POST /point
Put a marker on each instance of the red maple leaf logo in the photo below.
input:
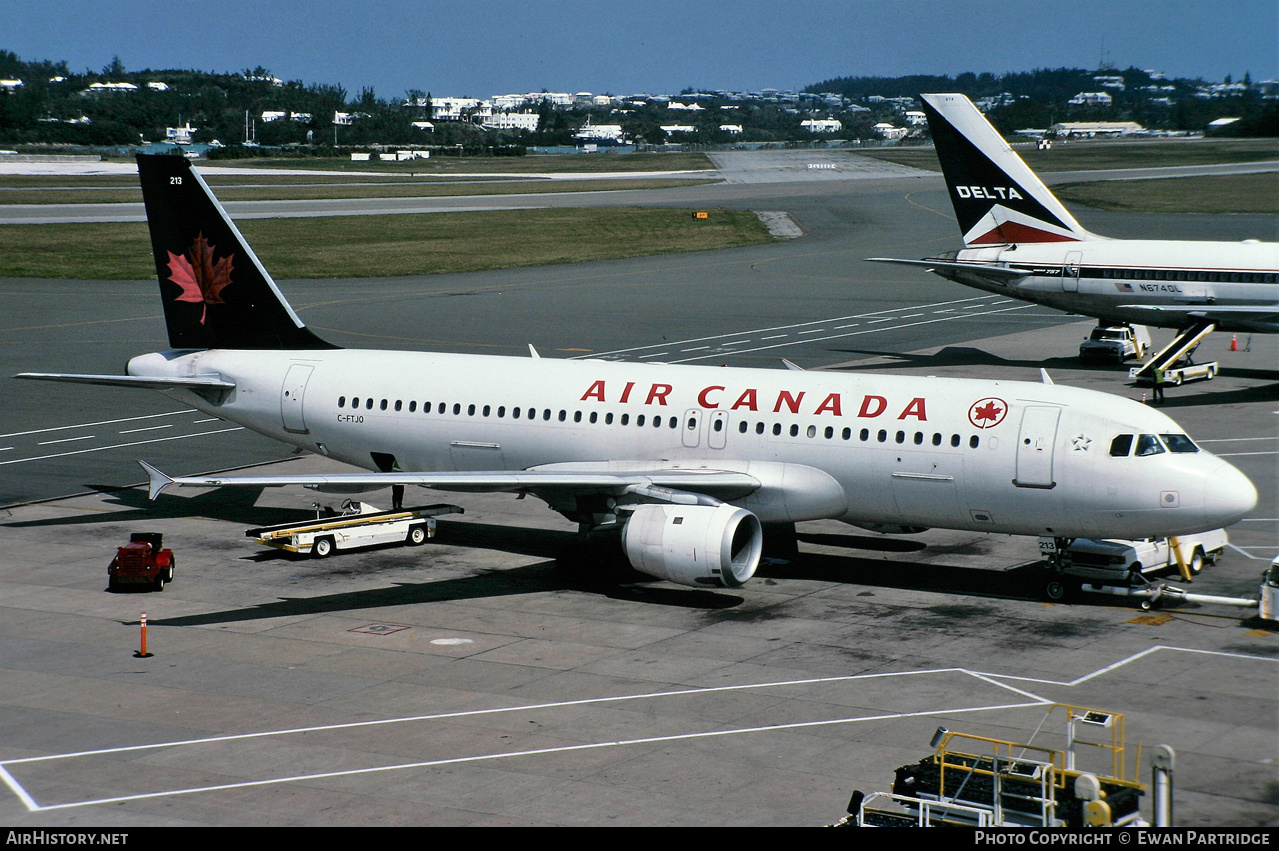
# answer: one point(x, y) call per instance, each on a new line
point(200, 278)
point(987, 413)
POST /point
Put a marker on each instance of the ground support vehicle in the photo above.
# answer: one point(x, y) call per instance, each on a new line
point(142, 562)
point(973, 781)
point(1180, 374)
point(359, 524)
point(1115, 343)
point(1118, 563)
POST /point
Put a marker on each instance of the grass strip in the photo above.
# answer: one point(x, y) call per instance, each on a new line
point(1234, 193)
point(368, 246)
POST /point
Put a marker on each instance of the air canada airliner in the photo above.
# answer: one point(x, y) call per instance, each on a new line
point(690, 463)
point(1020, 241)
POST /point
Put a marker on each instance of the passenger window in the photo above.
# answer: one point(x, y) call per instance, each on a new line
point(594, 417)
point(973, 441)
point(954, 440)
point(368, 404)
point(577, 416)
point(759, 428)
point(485, 411)
point(639, 421)
point(398, 404)
point(777, 429)
point(1179, 443)
point(412, 407)
point(608, 419)
point(882, 436)
point(1121, 445)
point(470, 410)
point(1148, 444)
point(741, 427)
point(626, 419)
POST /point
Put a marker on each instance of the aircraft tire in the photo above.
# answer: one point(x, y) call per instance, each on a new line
point(1057, 589)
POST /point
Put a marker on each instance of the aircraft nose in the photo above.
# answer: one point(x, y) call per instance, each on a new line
point(1228, 495)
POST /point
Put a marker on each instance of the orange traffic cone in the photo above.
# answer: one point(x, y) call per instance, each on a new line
point(1234, 342)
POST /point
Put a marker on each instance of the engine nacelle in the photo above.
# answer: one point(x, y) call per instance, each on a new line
point(698, 545)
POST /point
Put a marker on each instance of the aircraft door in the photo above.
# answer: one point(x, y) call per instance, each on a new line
point(1035, 447)
point(717, 434)
point(1070, 271)
point(691, 428)
point(291, 396)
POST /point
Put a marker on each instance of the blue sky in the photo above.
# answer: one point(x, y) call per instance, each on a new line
point(479, 49)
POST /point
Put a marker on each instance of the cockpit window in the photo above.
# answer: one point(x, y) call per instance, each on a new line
point(1179, 443)
point(1121, 445)
point(1148, 444)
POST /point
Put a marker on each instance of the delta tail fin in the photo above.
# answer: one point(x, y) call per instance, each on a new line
point(998, 199)
point(216, 293)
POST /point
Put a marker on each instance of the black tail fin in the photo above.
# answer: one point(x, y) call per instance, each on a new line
point(216, 293)
point(997, 198)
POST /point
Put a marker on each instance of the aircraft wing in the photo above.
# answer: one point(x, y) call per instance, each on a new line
point(674, 485)
point(1001, 272)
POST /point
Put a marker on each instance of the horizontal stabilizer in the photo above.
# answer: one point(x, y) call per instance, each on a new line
point(191, 382)
point(984, 269)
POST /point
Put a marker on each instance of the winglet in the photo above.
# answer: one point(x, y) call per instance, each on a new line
point(1045, 377)
point(159, 480)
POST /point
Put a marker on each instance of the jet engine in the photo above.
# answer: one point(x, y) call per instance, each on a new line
point(699, 545)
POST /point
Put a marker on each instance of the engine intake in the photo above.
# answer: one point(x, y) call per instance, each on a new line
point(698, 545)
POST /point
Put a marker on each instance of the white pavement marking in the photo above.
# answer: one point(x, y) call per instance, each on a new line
point(119, 446)
point(996, 680)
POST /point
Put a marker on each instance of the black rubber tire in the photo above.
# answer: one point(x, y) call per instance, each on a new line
point(322, 548)
point(1057, 590)
point(416, 536)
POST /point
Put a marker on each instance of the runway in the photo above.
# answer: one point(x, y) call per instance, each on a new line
point(473, 684)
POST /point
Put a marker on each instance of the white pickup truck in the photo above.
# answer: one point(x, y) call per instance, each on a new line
point(358, 525)
point(1119, 562)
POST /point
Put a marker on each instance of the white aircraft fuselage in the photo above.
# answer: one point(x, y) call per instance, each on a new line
point(1139, 281)
point(873, 450)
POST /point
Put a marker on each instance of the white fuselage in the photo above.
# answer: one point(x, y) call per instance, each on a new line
point(1146, 282)
point(997, 456)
